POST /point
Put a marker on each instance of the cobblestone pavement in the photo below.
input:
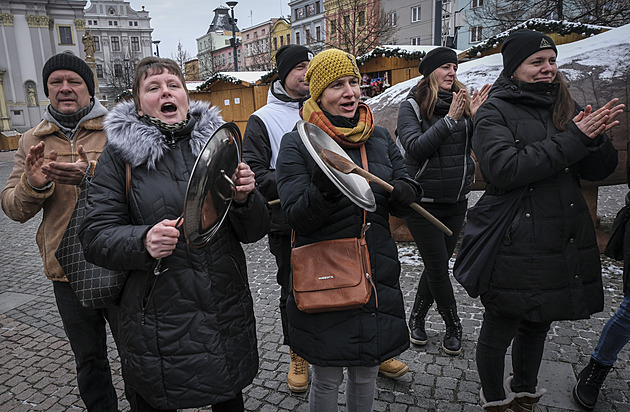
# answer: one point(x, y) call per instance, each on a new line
point(37, 369)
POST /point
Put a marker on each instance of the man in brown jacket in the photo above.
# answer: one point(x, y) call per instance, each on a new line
point(51, 161)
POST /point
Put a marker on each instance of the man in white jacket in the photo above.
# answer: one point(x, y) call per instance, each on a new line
point(261, 143)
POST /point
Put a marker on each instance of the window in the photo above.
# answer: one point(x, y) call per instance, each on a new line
point(333, 27)
point(135, 44)
point(415, 41)
point(415, 14)
point(263, 31)
point(255, 34)
point(97, 43)
point(318, 33)
point(346, 22)
point(275, 43)
point(95, 22)
point(476, 3)
point(99, 71)
point(297, 38)
point(317, 7)
point(89, 22)
point(131, 23)
point(475, 34)
point(288, 39)
point(307, 34)
point(392, 18)
point(117, 70)
point(65, 34)
point(281, 41)
point(111, 23)
point(116, 23)
point(115, 43)
point(247, 36)
point(135, 23)
point(361, 18)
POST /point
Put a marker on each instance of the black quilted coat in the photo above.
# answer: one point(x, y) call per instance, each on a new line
point(437, 157)
point(359, 337)
point(548, 267)
point(188, 336)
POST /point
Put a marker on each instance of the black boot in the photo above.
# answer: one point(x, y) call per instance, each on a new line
point(589, 382)
point(453, 337)
point(421, 307)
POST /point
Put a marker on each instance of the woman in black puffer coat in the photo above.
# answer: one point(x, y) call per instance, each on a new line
point(359, 339)
point(188, 335)
point(435, 129)
point(531, 136)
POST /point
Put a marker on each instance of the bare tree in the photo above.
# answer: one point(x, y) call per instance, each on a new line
point(260, 57)
point(116, 79)
point(500, 15)
point(357, 26)
point(181, 56)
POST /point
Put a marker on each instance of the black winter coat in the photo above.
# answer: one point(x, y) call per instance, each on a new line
point(548, 266)
point(359, 337)
point(191, 339)
point(436, 156)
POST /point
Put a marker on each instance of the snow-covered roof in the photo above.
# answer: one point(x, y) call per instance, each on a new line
point(547, 26)
point(192, 86)
point(233, 77)
point(403, 51)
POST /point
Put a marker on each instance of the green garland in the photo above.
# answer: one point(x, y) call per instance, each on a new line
point(226, 78)
point(387, 52)
point(562, 28)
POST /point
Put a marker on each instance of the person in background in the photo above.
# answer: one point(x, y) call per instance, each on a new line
point(261, 143)
point(531, 136)
point(187, 326)
point(52, 159)
point(614, 336)
point(358, 339)
point(435, 126)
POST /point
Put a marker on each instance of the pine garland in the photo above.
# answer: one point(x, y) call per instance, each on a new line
point(390, 52)
point(563, 28)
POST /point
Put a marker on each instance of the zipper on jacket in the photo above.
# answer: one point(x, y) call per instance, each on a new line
point(461, 188)
point(150, 287)
point(421, 170)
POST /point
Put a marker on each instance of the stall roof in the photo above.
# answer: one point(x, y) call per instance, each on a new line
point(404, 51)
point(233, 77)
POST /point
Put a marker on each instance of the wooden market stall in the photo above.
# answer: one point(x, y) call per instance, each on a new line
point(237, 94)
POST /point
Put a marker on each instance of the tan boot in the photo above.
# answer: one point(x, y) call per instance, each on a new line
point(393, 368)
point(297, 378)
point(504, 405)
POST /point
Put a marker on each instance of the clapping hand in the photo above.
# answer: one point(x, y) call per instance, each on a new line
point(457, 105)
point(479, 96)
point(593, 123)
point(66, 173)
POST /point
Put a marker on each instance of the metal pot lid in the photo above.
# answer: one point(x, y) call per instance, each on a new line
point(355, 187)
point(210, 187)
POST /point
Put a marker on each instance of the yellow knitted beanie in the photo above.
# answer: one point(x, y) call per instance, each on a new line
point(328, 66)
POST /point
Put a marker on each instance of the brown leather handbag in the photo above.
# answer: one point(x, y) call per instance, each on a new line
point(332, 275)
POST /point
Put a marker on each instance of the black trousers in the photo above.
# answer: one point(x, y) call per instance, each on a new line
point(280, 247)
point(528, 344)
point(436, 248)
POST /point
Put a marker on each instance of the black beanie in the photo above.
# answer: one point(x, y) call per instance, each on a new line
point(67, 61)
point(435, 58)
point(520, 45)
point(289, 56)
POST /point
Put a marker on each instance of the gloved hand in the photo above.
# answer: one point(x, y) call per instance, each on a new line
point(404, 193)
point(327, 188)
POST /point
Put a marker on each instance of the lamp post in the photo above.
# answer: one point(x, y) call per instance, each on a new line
point(127, 72)
point(157, 47)
point(231, 4)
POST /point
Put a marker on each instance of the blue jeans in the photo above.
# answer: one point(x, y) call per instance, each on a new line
point(615, 335)
point(85, 329)
point(359, 388)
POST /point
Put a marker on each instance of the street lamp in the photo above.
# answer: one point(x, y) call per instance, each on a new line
point(127, 72)
point(231, 5)
point(157, 47)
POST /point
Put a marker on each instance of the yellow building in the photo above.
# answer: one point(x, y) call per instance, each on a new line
point(280, 36)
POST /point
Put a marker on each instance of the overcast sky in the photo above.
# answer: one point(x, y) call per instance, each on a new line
point(185, 20)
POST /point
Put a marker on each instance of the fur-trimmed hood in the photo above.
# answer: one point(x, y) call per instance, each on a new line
point(140, 143)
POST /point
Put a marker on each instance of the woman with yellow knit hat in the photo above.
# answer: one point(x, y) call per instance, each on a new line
point(357, 339)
